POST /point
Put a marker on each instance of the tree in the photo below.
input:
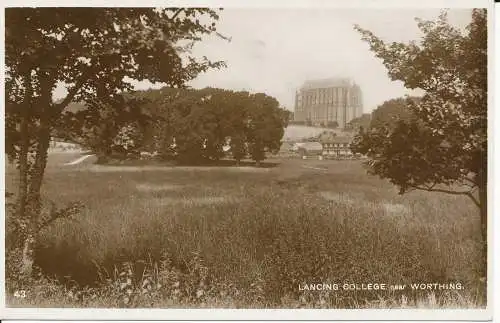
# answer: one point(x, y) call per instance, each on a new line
point(199, 121)
point(360, 122)
point(94, 52)
point(265, 126)
point(325, 136)
point(391, 111)
point(238, 148)
point(117, 127)
point(222, 108)
point(445, 148)
point(237, 116)
point(192, 126)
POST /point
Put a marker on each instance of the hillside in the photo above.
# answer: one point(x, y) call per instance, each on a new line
point(296, 132)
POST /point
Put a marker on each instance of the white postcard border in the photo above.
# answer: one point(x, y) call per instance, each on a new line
point(281, 314)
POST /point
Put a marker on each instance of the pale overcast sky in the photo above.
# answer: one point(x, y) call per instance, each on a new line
point(276, 50)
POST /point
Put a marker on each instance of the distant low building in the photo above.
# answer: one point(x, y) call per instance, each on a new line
point(337, 146)
point(310, 149)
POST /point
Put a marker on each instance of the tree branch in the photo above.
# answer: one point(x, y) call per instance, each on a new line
point(470, 181)
point(177, 13)
point(476, 202)
point(466, 193)
point(71, 94)
point(64, 213)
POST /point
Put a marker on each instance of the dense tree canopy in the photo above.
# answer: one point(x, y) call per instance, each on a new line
point(391, 112)
point(188, 125)
point(360, 122)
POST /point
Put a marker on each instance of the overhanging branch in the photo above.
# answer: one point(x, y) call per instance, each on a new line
point(177, 13)
point(471, 181)
point(73, 91)
point(432, 189)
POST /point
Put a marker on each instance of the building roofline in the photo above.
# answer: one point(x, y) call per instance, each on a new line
point(342, 82)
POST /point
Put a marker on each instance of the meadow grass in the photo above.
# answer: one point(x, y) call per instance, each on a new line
point(219, 237)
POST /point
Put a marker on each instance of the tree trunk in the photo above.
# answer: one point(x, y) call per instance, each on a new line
point(22, 199)
point(25, 145)
point(23, 168)
point(483, 211)
point(33, 198)
point(34, 202)
point(28, 256)
point(23, 213)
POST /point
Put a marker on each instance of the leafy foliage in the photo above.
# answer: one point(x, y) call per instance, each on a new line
point(360, 122)
point(95, 53)
point(446, 141)
point(392, 111)
point(191, 126)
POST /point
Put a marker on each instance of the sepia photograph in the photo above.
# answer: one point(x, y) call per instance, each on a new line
point(247, 157)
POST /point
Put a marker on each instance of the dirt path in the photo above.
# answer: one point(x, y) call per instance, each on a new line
point(79, 160)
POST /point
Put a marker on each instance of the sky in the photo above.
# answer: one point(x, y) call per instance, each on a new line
point(274, 50)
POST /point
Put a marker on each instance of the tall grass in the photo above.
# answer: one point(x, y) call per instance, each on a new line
point(230, 239)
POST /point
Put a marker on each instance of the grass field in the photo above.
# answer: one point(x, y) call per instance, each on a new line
point(249, 237)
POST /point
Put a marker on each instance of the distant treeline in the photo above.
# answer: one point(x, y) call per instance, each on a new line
point(186, 125)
